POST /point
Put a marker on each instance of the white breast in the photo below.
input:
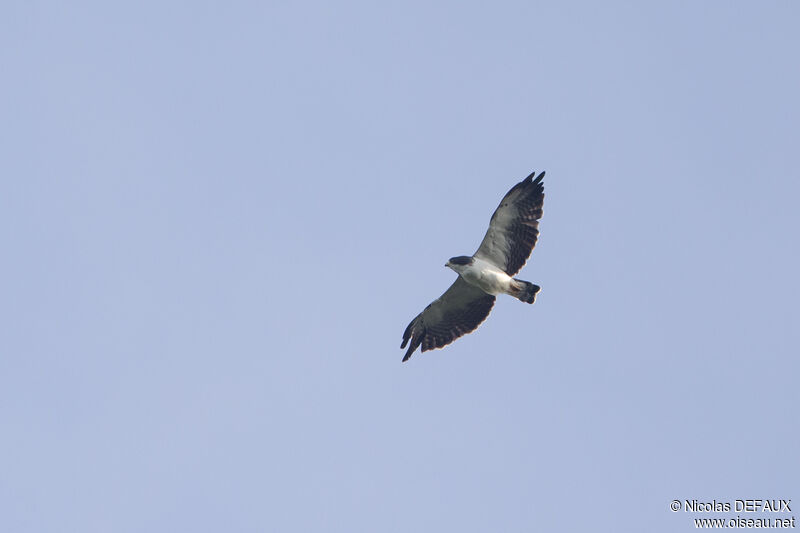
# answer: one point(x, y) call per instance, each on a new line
point(486, 277)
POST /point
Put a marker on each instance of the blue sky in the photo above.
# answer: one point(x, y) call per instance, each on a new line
point(218, 220)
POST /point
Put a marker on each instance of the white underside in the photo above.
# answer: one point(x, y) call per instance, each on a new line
point(486, 277)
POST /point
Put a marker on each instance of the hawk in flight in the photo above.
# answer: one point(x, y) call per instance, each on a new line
point(505, 248)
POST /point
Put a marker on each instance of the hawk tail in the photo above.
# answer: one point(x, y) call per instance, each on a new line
point(524, 291)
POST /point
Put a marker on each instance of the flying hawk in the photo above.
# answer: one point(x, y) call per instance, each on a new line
point(505, 248)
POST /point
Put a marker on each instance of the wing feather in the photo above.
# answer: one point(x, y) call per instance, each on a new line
point(460, 310)
point(514, 227)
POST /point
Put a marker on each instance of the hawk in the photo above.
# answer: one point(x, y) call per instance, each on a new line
point(507, 245)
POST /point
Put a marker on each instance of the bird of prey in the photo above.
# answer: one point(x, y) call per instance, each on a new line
point(505, 248)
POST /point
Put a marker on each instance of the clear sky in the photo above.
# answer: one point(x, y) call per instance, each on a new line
point(217, 219)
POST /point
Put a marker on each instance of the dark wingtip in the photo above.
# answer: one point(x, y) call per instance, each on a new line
point(407, 333)
point(530, 177)
point(415, 342)
point(409, 352)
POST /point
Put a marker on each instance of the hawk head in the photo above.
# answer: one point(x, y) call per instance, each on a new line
point(459, 262)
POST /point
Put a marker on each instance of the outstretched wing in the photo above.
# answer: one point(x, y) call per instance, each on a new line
point(460, 310)
point(514, 227)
